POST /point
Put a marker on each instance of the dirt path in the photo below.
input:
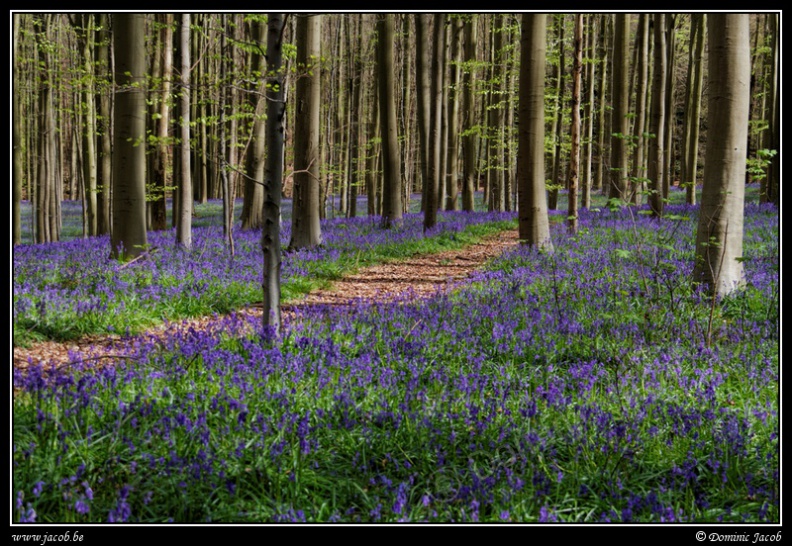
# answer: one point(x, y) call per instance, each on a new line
point(423, 275)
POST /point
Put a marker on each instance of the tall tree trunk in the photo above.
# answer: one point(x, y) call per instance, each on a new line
point(534, 225)
point(105, 172)
point(306, 230)
point(668, 126)
point(657, 125)
point(642, 75)
point(558, 123)
point(604, 117)
point(719, 238)
point(772, 140)
point(273, 175)
point(435, 124)
point(184, 225)
point(591, 71)
point(574, 154)
point(16, 143)
point(129, 238)
point(253, 198)
point(159, 213)
point(423, 100)
point(469, 140)
point(621, 101)
point(392, 206)
point(695, 80)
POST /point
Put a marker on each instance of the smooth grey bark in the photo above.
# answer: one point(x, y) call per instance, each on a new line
point(16, 143)
point(469, 140)
point(184, 224)
point(432, 188)
point(105, 172)
point(392, 207)
point(129, 238)
point(534, 225)
point(695, 80)
point(719, 237)
point(306, 230)
point(621, 101)
point(604, 118)
point(558, 122)
point(159, 213)
point(589, 112)
point(642, 76)
point(423, 99)
point(574, 154)
point(657, 122)
point(273, 175)
point(253, 192)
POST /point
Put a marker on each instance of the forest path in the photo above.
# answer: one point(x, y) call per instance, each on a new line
point(421, 275)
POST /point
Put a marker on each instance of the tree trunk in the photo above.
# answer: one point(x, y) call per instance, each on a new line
point(16, 143)
point(159, 214)
point(604, 118)
point(184, 225)
point(273, 176)
point(642, 75)
point(469, 140)
point(534, 225)
point(392, 207)
point(423, 100)
point(591, 71)
point(719, 238)
point(129, 238)
point(435, 125)
point(253, 198)
point(657, 125)
point(104, 178)
point(621, 102)
point(574, 154)
point(693, 107)
point(558, 123)
point(306, 230)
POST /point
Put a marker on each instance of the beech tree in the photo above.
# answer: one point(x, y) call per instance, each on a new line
point(273, 173)
point(534, 224)
point(129, 238)
point(719, 237)
point(392, 209)
point(184, 222)
point(620, 94)
point(306, 230)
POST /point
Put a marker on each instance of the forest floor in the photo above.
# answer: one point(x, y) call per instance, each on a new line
point(419, 276)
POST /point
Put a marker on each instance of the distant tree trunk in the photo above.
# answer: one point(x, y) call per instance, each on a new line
point(642, 75)
point(105, 173)
point(574, 154)
point(228, 213)
point(719, 238)
point(621, 102)
point(657, 125)
point(423, 100)
point(558, 122)
point(469, 140)
point(159, 219)
point(534, 225)
point(693, 107)
point(306, 230)
point(16, 143)
point(604, 123)
point(668, 126)
point(356, 85)
point(392, 207)
point(588, 177)
point(184, 225)
point(273, 175)
point(452, 188)
point(772, 140)
point(46, 208)
point(435, 125)
point(129, 238)
point(253, 197)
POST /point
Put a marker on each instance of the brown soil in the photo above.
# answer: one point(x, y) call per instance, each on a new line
point(422, 276)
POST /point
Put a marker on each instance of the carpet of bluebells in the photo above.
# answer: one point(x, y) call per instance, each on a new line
point(592, 384)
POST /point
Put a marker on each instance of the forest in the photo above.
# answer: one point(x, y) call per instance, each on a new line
point(463, 268)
